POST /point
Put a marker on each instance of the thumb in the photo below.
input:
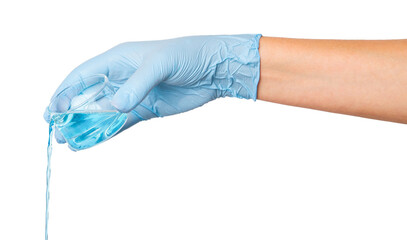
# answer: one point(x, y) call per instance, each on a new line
point(137, 87)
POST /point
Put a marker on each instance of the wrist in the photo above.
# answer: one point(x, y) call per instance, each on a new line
point(239, 68)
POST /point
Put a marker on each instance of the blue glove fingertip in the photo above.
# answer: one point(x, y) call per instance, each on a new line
point(58, 136)
point(121, 102)
point(46, 115)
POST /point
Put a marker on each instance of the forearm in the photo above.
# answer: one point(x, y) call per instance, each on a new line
point(356, 77)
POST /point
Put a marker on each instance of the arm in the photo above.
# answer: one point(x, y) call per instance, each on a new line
point(357, 77)
point(162, 78)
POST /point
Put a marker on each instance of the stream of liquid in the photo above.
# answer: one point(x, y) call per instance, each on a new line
point(49, 153)
point(81, 130)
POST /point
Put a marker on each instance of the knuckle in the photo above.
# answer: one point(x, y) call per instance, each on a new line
point(122, 46)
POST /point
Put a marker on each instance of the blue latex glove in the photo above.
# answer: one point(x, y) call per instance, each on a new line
point(161, 78)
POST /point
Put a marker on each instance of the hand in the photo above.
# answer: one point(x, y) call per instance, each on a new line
point(161, 78)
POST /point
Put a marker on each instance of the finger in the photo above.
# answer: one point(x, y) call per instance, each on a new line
point(149, 75)
point(96, 65)
point(59, 137)
point(46, 115)
point(75, 83)
point(61, 102)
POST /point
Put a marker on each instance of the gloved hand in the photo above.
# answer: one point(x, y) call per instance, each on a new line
point(161, 78)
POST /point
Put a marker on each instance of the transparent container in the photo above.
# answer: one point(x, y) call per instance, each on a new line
point(87, 118)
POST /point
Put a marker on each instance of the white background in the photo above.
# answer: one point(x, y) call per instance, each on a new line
point(232, 169)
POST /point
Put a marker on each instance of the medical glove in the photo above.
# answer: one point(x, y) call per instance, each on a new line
point(161, 78)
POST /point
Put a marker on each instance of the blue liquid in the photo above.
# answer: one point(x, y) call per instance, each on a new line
point(81, 130)
point(85, 129)
point(49, 153)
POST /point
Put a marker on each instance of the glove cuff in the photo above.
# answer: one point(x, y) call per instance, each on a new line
point(238, 72)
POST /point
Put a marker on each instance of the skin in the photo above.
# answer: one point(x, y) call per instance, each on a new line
point(366, 78)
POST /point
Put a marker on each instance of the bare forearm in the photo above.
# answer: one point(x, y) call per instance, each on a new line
point(356, 77)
